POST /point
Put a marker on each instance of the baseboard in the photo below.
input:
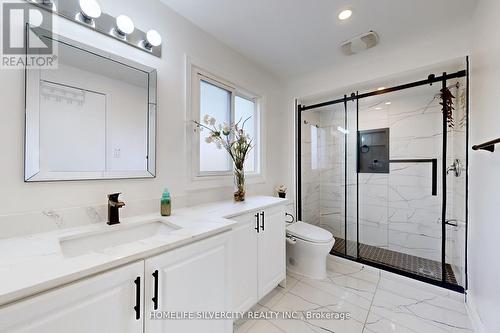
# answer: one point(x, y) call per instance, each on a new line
point(474, 316)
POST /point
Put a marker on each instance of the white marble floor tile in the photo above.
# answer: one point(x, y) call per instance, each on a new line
point(313, 300)
point(348, 293)
point(416, 311)
point(263, 326)
point(379, 324)
point(342, 267)
point(377, 302)
point(326, 302)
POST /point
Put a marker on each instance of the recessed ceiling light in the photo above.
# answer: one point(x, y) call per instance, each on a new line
point(388, 103)
point(378, 108)
point(345, 14)
point(380, 88)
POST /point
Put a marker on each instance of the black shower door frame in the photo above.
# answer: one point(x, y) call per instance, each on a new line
point(355, 97)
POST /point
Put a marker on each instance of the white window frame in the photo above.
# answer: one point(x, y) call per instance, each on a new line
point(198, 179)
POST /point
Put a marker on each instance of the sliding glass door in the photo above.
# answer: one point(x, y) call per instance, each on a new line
point(385, 173)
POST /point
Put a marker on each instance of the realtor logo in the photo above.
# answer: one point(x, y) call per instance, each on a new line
point(21, 46)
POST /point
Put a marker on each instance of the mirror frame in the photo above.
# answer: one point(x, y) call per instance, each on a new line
point(32, 160)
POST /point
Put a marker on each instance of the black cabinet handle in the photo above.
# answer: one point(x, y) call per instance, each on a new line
point(263, 221)
point(155, 297)
point(257, 223)
point(137, 306)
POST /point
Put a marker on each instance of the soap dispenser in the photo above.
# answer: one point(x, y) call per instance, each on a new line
point(166, 203)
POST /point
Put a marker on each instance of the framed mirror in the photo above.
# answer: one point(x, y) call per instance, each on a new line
point(91, 117)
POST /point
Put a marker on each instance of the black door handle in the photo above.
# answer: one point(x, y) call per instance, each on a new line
point(262, 223)
point(257, 223)
point(137, 306)
point(155, 297)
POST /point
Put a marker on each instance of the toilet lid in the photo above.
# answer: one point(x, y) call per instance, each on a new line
point(309, 232)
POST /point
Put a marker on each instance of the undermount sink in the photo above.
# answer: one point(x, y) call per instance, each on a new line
point(114, 237)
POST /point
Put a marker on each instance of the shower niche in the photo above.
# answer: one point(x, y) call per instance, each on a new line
point(373, 151)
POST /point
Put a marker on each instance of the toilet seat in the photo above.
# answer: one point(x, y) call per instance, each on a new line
point(309, 232)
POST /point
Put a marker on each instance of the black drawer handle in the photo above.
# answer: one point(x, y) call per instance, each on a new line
point(137, 306)
point(257, 223)
point(155, 297)
point(263, 222)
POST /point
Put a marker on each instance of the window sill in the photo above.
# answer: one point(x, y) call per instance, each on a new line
point(220, 181)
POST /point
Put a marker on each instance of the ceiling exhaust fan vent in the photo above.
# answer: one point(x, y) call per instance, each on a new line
point(359, 43)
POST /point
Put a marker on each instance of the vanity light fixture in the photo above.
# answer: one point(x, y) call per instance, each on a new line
point(345, 14)
point(153, 39)
point(89, 14)
point(89, 10)
point(124, 26)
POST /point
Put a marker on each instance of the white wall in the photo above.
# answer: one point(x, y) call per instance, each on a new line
point(181, 39)
point(484, 226)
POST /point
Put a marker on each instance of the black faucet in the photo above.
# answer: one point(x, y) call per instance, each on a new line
point(113, 208)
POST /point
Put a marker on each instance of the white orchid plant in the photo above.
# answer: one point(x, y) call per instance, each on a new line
point(237, 143)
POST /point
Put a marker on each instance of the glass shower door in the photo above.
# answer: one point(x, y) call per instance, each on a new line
point(400, 202)
point(328, 177)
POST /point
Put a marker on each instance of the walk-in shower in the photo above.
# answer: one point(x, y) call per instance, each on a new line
point(386, 172)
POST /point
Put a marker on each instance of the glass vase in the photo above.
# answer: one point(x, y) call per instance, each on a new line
point(239, 185)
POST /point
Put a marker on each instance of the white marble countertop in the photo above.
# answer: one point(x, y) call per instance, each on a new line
point(36, 263)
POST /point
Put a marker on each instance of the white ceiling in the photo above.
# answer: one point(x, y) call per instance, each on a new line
point(295, 37)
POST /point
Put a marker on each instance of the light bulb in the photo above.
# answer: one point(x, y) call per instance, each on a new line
point(124, 25)
point(153, 38)
point(90, 9)
point(345, 14)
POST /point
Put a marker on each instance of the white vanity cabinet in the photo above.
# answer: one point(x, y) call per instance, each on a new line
point(258, 255)
point(192, 279)
point(108, 302)
point(171, 290)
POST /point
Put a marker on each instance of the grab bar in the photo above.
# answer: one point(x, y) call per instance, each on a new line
point(489, 146)
point(434, 163)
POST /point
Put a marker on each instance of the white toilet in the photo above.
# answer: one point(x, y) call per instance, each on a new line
point(307, 248)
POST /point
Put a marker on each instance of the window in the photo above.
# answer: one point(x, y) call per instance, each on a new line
point(226, 103)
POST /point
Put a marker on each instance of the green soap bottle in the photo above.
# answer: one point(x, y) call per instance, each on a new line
point(166, 203)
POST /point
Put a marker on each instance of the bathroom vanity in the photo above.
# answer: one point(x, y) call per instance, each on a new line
point(223, 256)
